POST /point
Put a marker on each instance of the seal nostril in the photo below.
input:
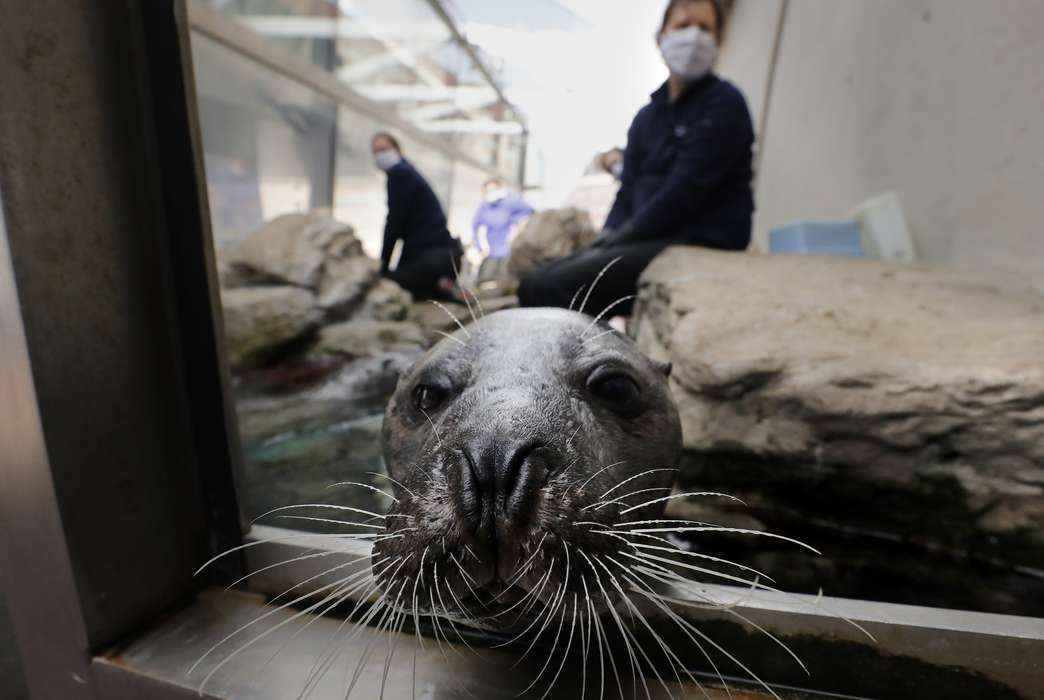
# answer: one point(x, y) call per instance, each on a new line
point(511, 475)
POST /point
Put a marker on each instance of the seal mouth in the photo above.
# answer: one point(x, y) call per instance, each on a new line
point(496, 602)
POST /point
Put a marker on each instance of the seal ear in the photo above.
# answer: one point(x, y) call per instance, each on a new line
point(664, 367)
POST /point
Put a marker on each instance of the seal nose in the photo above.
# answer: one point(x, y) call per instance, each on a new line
point(497, 486)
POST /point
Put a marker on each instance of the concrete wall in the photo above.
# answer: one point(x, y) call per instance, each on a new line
point(939, 100)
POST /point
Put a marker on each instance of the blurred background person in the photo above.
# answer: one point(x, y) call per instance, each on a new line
point(500, 212)
point(687, 172)
point(426, 256)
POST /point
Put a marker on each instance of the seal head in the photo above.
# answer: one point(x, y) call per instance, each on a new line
point(517, 445)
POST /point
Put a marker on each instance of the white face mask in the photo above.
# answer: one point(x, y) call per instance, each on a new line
point(495, 194)
point(617, 170)
point(689, 53)
point(387, 159)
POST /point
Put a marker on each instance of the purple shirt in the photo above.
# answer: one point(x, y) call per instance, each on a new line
point(498, 217)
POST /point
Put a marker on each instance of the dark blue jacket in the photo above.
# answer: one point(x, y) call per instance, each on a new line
point(688, 168)
point(414, 215)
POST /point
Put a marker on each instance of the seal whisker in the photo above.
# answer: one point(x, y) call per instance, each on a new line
point(706, 557)
point(547, 616)
point(621, 300)
point(576, 294)
point(732, 530)
point(452, 316)
point(313, 555)
point(598, 505)
point(432, 424)
point(454, 338)
point(597, 278)
point(565, 655)
point(264, 634)
point(524, 568)
point(338, 522)
point(636, 614)
point(600, 471)
point(691, 567)
point(267, 540)
point(394, 481)
point(463, 290)
point(636, 672)
point(550, 655)
point(319, 505)
point(600, 335)
point(683, 624)
point(533, 593)
point(365, 486)
point(601, 635)
point(672, 497)
point(638, 476)
point(629, 574)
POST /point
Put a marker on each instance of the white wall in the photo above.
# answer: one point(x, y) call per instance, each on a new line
point(939, 100)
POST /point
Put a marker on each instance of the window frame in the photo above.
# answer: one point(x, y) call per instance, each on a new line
point(83, 579)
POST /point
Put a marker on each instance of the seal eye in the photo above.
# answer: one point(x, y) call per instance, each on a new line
point(427, 397)
point(620, 392)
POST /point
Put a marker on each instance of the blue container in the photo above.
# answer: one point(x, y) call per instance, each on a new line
point(817, 238)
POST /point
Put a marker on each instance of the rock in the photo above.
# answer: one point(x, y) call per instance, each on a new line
point(899, 378)
point(385, 301)
point(365, 338)
point(261, 321)
point(358, 389)
point(549, 234)
point(345, 281)
point(436, 317)
point(293, 249)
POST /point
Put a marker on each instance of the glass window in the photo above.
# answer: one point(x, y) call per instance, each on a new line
point(267, 142)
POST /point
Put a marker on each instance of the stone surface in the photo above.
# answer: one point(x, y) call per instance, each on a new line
point(549, 234)
point(345, 281)
point(385, 301)
point(363, 338)
point(262, 321)
point(906, 380)
point(293, 249)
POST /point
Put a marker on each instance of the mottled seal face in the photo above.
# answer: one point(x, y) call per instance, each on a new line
point(518, 446)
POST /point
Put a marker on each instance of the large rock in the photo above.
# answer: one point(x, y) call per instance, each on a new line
point(294, 248)
point(365, 338)
point(261, 321)
point(547, 235)
point(385, 301)
point(344, 282)
point(904, 397)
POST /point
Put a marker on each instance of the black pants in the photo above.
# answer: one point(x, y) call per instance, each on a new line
point(419, 274)
point(556, 283)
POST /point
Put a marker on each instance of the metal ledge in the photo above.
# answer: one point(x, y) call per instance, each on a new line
point(982, 652)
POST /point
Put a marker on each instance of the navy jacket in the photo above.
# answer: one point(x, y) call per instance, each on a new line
point(688, 168)
point(414, 215)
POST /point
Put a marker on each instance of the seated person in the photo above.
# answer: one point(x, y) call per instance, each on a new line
point(430, 255)
point(686, 177)
point(496, 217)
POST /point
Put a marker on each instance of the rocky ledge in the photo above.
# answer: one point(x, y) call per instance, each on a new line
point(899, 401)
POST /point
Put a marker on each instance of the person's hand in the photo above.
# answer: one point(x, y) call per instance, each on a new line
point(474, 255)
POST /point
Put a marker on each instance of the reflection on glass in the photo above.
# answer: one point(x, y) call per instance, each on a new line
point(267, 142)
point(401, 54)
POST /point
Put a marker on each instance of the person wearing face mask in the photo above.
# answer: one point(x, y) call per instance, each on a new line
point(429, 255)
point(687, 172)
point(498, 214)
